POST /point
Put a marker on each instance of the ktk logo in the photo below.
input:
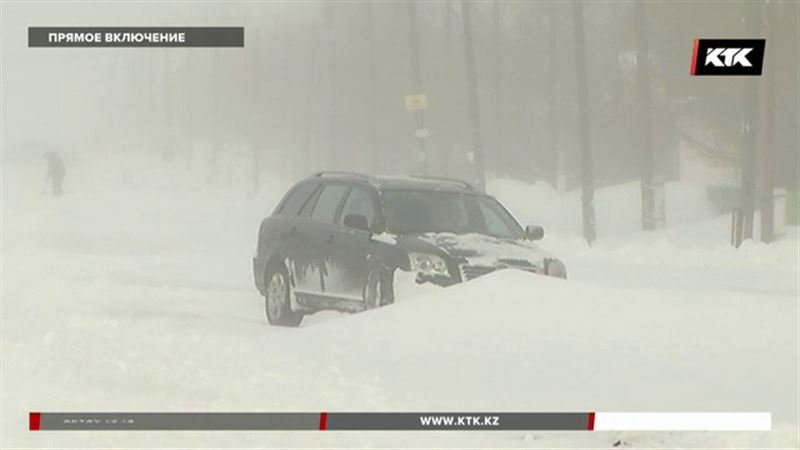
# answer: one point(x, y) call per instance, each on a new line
point(732, 57)
point(728, 56)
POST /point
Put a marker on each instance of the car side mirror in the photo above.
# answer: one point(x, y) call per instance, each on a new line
point(534, 232)
point(356, 221)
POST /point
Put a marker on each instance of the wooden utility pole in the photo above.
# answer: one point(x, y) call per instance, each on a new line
point(587, 175)
point(643, 79)
point(421, 163)
point(472, 86)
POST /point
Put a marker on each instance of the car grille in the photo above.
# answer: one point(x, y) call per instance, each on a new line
point(470, 272)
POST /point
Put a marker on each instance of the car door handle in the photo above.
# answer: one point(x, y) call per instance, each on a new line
point(330, 239)
point(293, 231)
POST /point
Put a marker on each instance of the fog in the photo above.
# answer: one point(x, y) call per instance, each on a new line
point(134, 289)
point(322, 86)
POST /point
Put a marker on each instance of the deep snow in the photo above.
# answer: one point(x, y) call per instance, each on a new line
point(134, 293)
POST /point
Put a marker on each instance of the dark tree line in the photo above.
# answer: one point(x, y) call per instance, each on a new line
point(531, 90)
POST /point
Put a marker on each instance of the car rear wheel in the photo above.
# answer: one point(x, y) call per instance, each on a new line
point(379, 288)
point(276, 299)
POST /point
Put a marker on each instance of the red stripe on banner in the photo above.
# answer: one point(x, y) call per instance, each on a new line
point(591, 421)
point(35, 421)
point(694, 55)
point(323, 421)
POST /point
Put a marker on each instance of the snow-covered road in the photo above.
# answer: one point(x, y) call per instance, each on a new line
point(133, 298)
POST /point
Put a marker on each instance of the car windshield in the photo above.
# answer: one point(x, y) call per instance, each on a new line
point(417, 211)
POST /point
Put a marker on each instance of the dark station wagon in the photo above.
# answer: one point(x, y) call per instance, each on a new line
point(337, 239)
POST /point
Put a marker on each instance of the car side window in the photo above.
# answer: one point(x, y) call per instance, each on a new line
point(297, 198)
point(359, 202)
point(328, 203)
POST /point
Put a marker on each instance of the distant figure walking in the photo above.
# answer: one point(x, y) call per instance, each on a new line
point(55, 172)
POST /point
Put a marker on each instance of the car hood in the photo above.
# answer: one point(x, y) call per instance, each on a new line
point(478, 249)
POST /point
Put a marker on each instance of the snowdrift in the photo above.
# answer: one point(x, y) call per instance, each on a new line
point(137, 296)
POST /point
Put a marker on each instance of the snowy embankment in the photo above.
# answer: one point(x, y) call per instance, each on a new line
point(138, 297)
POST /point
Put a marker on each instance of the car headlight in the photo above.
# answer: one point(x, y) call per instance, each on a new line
point(428, 264)
point(555, 268)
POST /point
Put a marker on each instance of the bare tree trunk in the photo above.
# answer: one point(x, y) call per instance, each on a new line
point(749, 151)
point(151, 102)
point(375, 155)
point(421, 163)
point(448, 25)
point(189, 86)
point(558, 160)
point(333, 148)
point(256, 136)
point(308, 153)
point(168, 114)
point(496, 153)
point(587, 175)
point(215, 125)
point(472, 85)
point(450, 94)
point(768, 138)
point(643, 78)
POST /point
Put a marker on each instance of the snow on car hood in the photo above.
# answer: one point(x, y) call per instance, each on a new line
point(484, 250)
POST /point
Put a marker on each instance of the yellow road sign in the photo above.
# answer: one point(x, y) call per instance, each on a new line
point(416, 102)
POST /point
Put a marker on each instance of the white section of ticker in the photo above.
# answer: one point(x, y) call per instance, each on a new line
point(679, 421)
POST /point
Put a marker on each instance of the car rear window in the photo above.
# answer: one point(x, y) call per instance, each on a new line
point(291, 206)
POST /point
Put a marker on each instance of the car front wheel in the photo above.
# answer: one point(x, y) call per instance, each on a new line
point(276, 299)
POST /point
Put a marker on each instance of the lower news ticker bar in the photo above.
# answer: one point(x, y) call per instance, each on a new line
point(353, 421)
point(309, 421)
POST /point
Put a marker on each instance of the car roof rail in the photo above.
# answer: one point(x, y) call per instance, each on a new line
point(334, 173)
point(461, 183)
